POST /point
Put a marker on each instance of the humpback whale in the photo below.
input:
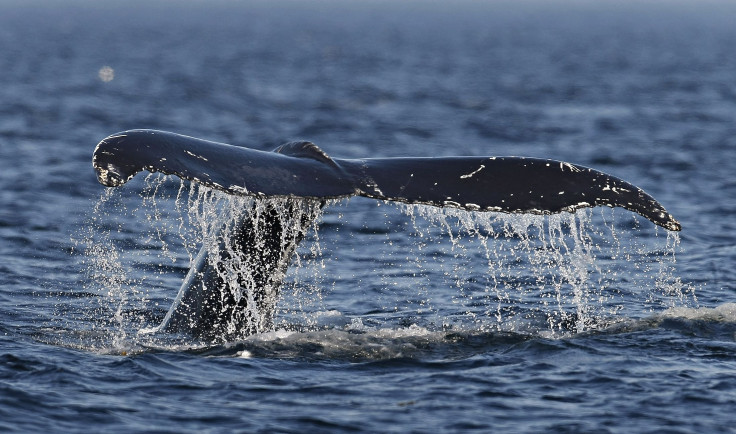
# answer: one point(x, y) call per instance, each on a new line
point(212, 307)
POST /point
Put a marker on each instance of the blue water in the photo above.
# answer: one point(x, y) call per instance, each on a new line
point(394, 319)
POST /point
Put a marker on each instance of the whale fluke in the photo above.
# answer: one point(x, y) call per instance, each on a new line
point(215, 306)
point(301, 169)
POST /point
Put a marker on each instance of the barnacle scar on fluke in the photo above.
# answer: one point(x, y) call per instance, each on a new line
point(302, 170)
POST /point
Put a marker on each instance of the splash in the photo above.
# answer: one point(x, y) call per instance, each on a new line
point(234, 283)
point(136, 267)
point(440, 269)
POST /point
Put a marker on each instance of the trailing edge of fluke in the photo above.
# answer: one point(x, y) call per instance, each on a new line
point(301, 169)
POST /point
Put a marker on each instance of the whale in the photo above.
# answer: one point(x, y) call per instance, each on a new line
point(213, 308)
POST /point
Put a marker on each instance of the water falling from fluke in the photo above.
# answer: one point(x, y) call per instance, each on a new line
point(250, 209)
point(517, 273)
point(232, 287)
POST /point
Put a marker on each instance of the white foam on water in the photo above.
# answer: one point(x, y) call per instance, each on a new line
point(724, 313)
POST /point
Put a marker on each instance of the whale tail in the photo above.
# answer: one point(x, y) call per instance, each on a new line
point(301, 169)
point(214, 307)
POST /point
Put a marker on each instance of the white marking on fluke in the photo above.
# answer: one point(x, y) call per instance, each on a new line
point(195, 155)
point(470, 175)
point(239, 189)
point(616, 190)
point(116, 136)
point(569, 166)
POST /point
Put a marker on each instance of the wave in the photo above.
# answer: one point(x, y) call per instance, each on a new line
point(344, 339)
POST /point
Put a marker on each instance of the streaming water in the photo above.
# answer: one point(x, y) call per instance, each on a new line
point(536, 274)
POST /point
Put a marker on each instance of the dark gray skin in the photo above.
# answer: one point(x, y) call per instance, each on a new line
point(211, 310)
point(302, 170)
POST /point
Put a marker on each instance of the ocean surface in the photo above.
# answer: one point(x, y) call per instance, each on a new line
point(393, 318)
